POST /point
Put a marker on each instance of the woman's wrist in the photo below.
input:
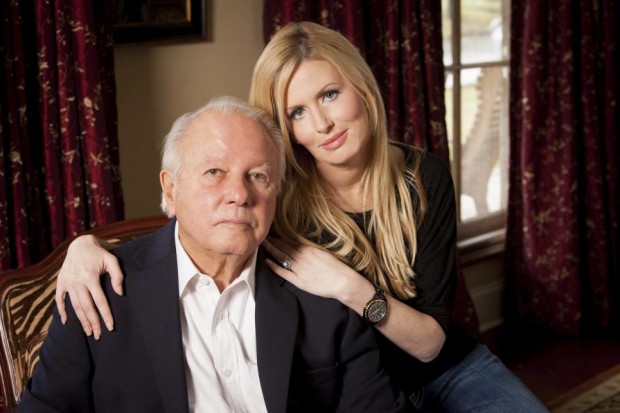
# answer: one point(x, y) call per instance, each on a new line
point(357, 293)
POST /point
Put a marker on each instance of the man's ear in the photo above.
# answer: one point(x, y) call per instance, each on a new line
point(167, 188)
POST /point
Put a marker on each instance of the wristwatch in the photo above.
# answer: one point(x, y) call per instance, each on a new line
point(376, 309)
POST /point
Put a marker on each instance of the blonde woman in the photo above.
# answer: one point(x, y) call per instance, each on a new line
point(362, 219)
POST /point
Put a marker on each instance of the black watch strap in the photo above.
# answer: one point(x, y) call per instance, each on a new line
point(376, 309)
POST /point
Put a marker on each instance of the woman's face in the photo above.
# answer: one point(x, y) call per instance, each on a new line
point(326, 115)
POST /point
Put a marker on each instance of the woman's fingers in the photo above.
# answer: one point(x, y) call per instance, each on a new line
point(279, 250)
point(79, 276)
point(288, 275)
point(82, 305)
point(60, 303)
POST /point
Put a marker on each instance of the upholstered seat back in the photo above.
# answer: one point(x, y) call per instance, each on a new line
point(26, 304)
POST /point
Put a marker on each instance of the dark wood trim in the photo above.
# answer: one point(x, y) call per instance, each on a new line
point(481, 247)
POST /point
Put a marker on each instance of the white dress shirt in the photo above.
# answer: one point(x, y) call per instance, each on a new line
point(219, 338)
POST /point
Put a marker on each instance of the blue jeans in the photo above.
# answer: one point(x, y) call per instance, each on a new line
point(479, 383)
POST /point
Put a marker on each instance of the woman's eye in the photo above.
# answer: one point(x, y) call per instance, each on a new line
point(297, 113)
point(330, 95)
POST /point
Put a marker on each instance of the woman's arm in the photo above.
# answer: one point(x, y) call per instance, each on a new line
point(419, 331)
point(87, 259)
point(320, 273)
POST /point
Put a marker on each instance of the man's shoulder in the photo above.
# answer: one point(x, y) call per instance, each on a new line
point(154, 244)
point(163, 233)
point(135, 243)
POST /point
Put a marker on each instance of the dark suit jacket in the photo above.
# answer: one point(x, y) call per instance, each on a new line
point(314, 354)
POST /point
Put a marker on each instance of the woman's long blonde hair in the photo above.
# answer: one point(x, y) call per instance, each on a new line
point(306, 211)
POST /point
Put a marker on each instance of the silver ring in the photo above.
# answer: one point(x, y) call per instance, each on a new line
point(288, 264)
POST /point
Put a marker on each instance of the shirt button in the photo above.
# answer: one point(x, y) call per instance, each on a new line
point(220, 317)
point(205, 281)
point(227, 372)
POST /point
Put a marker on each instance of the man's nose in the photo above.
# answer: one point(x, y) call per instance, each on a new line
point(322, 121)
point(239, 191)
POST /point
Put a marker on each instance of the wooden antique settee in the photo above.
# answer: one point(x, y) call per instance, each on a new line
point(27, 301)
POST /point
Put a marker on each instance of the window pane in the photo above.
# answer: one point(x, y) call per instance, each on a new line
point(446, 30)
point(448, 97)
point(484, 141)
point(482, 31)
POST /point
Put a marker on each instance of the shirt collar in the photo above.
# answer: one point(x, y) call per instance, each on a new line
point(187, 269)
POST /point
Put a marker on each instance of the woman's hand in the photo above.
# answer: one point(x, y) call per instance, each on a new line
point(320, 273)
point(85, 262)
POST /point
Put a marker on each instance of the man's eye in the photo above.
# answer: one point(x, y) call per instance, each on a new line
point(259, 177)
point(213, 172)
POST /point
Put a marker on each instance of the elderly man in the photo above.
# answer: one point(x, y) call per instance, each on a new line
point(204, 325)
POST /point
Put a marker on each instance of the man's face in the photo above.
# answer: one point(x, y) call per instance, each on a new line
point(224, 196)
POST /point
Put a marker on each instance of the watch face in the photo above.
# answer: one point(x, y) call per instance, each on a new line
point(377, 311)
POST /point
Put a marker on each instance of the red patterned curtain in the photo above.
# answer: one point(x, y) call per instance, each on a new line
point(562, 237)
point(402, 43)
point(59, 165)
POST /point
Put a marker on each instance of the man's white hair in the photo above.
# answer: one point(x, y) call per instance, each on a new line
point(171, 158)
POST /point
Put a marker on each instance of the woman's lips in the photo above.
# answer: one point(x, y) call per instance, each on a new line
point(335, 141)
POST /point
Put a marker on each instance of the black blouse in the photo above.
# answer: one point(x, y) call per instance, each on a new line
point(435, 269)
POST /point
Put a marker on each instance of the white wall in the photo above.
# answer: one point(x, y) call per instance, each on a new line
point(158, 82)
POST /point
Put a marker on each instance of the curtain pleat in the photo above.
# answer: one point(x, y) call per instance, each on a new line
point(59, 154)
point(562, 233)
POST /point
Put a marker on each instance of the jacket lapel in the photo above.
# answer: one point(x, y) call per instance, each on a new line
point(155, 299)
point(276, 329)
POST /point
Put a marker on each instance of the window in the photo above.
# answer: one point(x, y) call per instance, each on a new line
point(475, 46)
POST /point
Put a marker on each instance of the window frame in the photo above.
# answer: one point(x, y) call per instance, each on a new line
point(477, 237)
